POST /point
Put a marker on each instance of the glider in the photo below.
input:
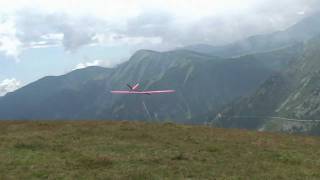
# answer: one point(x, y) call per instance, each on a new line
point(134, 90)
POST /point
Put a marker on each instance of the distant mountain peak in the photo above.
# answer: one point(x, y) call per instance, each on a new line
point(144, 52)
point(302, 31)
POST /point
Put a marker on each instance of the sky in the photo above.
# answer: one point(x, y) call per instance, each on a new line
point(52, 37)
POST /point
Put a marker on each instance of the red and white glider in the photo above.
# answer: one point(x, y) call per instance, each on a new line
point(134, 90)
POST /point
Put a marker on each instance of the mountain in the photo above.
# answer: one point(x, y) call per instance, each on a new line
point(261, 75)
point(63, 96)
point(203, 83)
point(300, 32)
point(200, 85)
point(292, 94)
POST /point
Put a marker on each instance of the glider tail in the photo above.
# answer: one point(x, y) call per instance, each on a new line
point(129, 86)
point(133, 88)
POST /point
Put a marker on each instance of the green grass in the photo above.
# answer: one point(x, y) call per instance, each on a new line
point(132, 150)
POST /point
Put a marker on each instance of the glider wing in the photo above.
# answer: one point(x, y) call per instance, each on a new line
point(143, 92)
point(159, 92)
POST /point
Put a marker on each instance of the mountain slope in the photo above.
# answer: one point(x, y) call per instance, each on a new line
point(293, 93)
point(203, 83)
point(55, 97)
point(203, 86)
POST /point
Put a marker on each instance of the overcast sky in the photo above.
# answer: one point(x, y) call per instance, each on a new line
point(52, 37)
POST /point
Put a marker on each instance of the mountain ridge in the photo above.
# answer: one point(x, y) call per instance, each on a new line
point(291, 94)
point(297, 33)
point(203, 83)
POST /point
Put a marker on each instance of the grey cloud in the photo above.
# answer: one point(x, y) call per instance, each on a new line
point(33, 26)
point(287, 7)
point(150, 24)
point(74, 38)
point(156, 24)
point(268, 16)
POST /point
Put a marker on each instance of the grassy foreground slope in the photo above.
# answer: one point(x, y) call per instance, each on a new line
point(133, 150)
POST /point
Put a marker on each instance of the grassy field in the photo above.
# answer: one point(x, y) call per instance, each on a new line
point(132, 150)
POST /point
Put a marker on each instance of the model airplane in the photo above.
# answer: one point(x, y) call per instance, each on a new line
point(134, 90)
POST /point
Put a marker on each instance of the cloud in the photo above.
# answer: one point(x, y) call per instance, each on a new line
point(98, 62)
point(114, 39)
point(75, 38)
point(47, 40)
point(220, 28)
point(56, 29)
point(156, 24)
point(9, 85)
point(10, 45)
point(40, 30)
point(87, 64)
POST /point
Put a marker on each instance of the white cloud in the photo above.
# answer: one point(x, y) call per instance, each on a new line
point(98, 62)
point(87, 64)
point(9, 42)
point(9, 85)
point(47, 40)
